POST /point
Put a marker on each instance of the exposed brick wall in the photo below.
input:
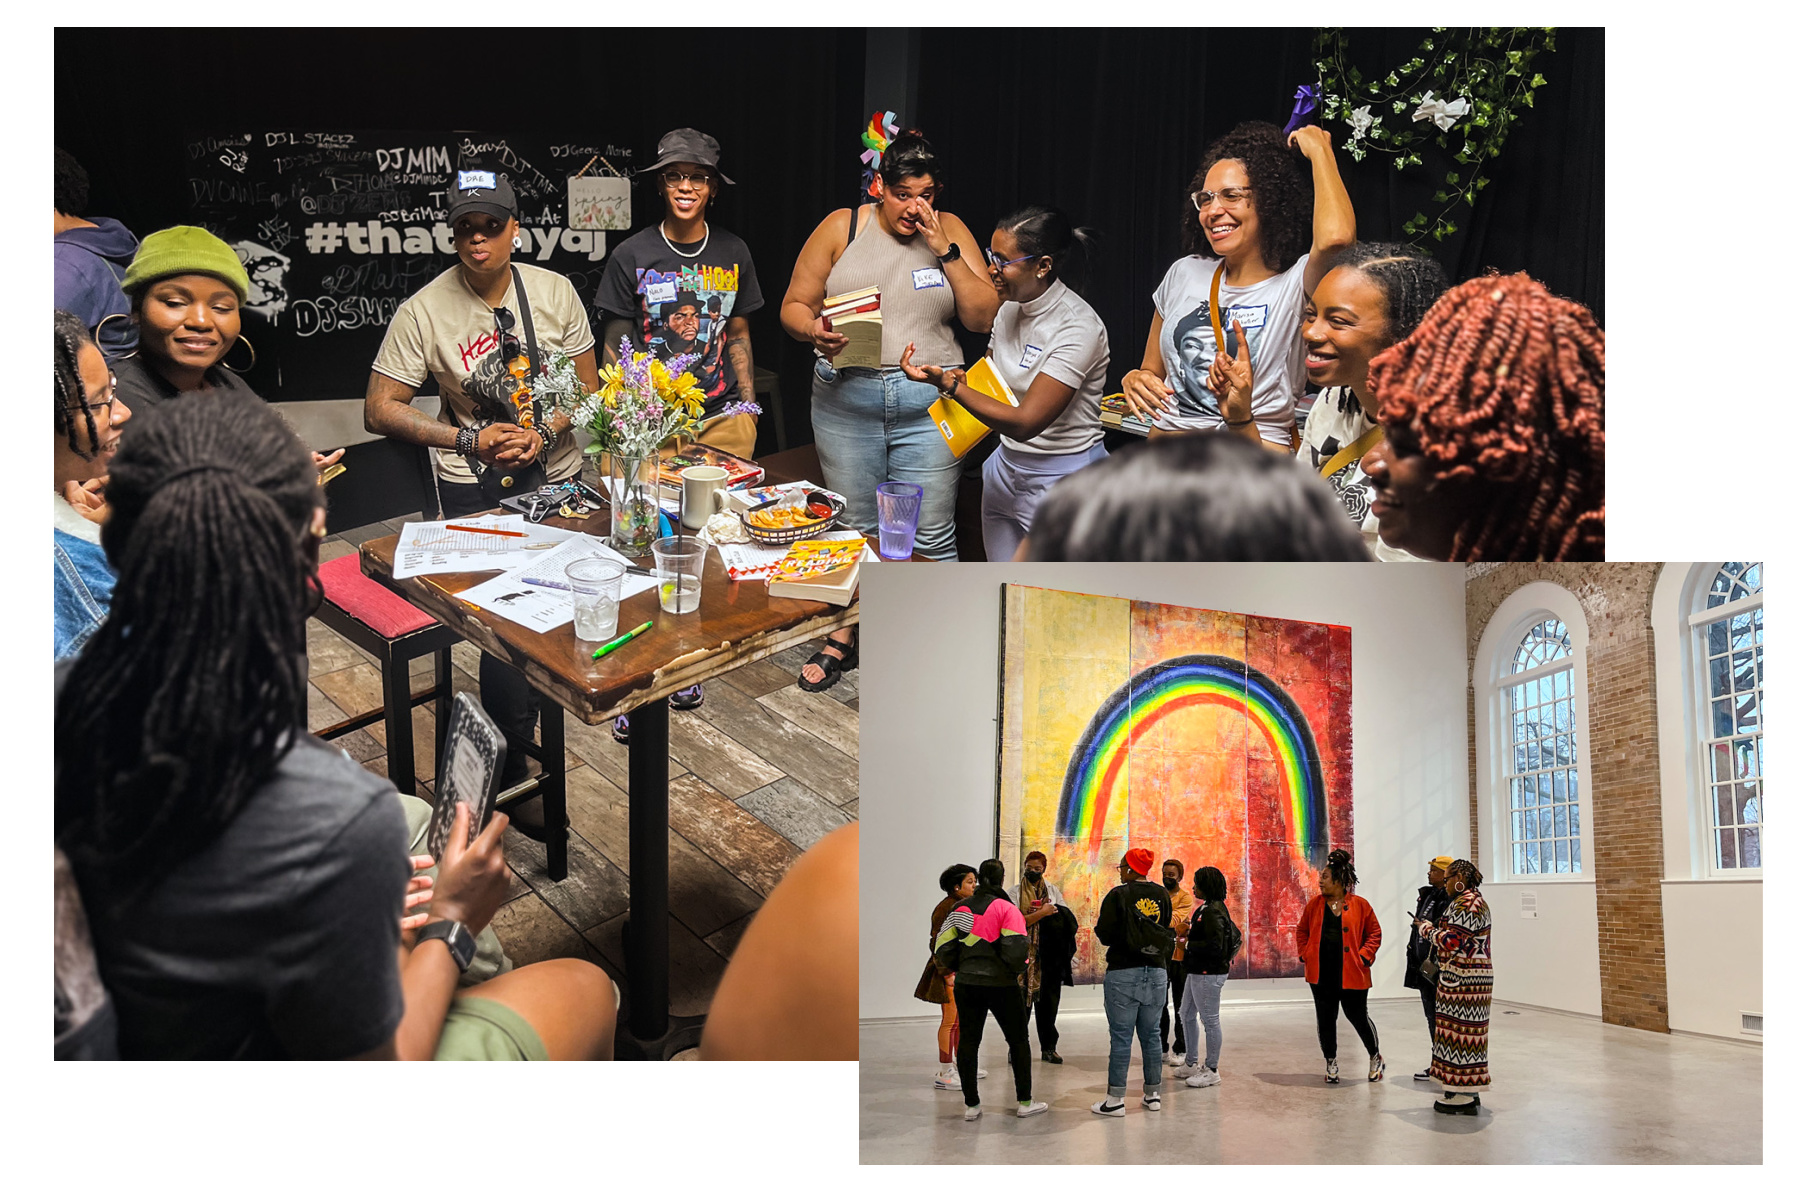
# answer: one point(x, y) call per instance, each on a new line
point(1623, 796)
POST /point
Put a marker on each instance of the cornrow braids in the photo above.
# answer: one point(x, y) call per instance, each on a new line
point(194, 687)
point(1339, 867)
point(1503, 385)
point(1281, 192)
point(71, 393)
point(1410, 281)
point(1467, 871)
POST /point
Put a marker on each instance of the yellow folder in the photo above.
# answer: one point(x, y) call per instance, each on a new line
point(960, 427)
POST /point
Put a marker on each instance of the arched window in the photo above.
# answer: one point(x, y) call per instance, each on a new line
point(1727, 645)
point(1541, 785)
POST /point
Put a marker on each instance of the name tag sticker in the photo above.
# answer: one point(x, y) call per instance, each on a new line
point(660, 293)
point(927, 277)
point(1250, 316)
point(466, 180)
point(1029, 359)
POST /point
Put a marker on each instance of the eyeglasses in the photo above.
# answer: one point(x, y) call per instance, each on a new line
point(104, 402)
point(677, 178)
point(1229, 197)
point(994, 259)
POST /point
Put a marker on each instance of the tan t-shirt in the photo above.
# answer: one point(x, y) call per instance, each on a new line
point(447, 332)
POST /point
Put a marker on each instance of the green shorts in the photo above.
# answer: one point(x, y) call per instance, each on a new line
point(477, 1030)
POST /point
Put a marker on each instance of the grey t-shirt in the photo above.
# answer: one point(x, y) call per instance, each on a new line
point(278, 940)
point(1060, 335)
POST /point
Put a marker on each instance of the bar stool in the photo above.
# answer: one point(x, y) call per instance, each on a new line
point(384, 624)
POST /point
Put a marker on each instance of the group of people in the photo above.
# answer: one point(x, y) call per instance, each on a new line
point(250, 890)
point(1010, 953)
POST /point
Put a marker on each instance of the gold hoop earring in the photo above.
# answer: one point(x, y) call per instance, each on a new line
point(125, 317)
point(245, 370)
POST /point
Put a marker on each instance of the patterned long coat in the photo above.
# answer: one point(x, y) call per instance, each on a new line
point(1465, 994)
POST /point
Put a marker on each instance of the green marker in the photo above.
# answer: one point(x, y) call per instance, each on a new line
point(609, 647)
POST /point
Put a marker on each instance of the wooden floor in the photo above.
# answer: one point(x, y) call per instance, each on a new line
point(757, 774)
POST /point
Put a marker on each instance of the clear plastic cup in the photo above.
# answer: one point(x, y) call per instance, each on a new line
point(595, 584)
point(679, 566)
point(897, 513)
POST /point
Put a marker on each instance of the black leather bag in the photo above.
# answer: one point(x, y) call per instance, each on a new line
point(500, 482)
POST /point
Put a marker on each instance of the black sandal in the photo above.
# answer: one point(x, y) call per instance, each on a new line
point(833, 666)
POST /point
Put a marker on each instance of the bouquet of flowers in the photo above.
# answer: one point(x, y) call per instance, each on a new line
point(643, 403)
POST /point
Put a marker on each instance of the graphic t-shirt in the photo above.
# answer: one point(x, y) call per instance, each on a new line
point(1270, 314)
point(447, 332)
point(1060, 335)
point(1337, 420)
point(679, 305)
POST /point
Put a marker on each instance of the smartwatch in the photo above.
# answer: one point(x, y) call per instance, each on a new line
point(456, 936)
point(951, 255)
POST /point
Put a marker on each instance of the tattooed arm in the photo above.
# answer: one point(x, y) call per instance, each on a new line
point(388, 410)
point(737, 352)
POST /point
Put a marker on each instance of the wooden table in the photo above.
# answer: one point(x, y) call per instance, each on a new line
point(737, 623)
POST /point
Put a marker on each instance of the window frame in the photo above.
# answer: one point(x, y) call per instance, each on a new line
point(1504, 686)
point(1697, 706)
point(1511, 621)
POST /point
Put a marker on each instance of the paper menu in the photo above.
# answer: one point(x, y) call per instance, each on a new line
point(539, 608)
point(431, 548)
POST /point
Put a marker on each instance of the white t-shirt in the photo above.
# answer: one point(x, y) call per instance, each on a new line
point(446, 331)
point(1060, 335)
point(1270, 314)
point(1337, 420)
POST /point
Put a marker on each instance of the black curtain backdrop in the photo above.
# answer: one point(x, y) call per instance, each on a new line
point(784, 105)
point(1110, 124)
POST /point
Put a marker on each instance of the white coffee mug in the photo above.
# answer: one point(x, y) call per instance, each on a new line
point(702, 494)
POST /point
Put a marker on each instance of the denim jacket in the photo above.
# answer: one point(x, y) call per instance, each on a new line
point(84, 588)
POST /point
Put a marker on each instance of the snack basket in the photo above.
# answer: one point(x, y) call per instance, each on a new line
point(789, 534)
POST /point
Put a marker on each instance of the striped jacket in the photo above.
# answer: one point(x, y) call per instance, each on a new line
point(983, 941)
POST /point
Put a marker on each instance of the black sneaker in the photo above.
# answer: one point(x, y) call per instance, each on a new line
point(1051, 1056)
point(1331, 1071)
point(1470, 1109)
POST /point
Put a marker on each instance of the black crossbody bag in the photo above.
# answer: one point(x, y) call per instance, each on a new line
point(499, 483)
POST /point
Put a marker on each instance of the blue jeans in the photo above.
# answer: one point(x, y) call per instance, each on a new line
point(1134, 999)
point(875, 427)
point(1200, 1007)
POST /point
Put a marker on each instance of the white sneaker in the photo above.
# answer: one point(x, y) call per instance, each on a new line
point(1331, 1070)
point(947, 1082)
point(1108, 1106)
point(981, 1072)
point(1153, 1102)
point(1377, 1068)
point(1186, 1071)
point(1171, 1059)
point(1033, 1108)
point(1203, 1078)
point(972, 1114)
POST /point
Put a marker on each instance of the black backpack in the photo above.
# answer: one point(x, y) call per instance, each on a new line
point(1148, 937)
point(1234, 937)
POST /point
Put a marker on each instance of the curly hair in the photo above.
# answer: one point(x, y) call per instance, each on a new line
point(910, 156)
point(1210, 883)
point(1281, 192)
point(71, 185)
point(1503, 385)
point(71, 393)
point(1409, 280)
point(1339, 868)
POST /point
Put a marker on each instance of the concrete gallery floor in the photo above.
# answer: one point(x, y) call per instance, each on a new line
point(1569, 1090)
point(757, 774)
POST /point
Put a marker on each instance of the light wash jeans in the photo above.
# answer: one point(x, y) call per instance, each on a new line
point(1200, 1007)
point(1134, 999)
point(1012, 484)
point(875, 427)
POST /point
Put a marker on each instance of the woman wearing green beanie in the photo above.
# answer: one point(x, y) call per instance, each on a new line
point(187, 291)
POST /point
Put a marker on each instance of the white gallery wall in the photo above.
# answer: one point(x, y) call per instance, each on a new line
point(930, 702)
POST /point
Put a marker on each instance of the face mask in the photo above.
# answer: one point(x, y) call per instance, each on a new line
point(1034, 876)
point(1171, 883)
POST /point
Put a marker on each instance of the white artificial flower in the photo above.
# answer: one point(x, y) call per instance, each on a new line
point(1360, 120)
point(1442, 113)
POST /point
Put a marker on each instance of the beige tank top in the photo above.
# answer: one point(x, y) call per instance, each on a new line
point(917, 304)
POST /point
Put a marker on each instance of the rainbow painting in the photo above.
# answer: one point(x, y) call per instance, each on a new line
point(1210, 738)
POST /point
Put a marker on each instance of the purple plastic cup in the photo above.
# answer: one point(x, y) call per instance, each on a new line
point(897, 513)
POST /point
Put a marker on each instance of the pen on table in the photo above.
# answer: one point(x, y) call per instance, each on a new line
point(491, 532)
point(622, 639)
point(560, 586)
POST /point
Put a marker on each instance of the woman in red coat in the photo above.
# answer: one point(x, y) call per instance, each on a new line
point(1338, 936)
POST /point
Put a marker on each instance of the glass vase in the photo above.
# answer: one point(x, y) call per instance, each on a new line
point(631, 490)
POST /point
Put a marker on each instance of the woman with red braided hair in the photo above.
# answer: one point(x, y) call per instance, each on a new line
point(1495, 414)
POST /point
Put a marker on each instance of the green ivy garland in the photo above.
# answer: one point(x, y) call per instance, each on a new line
point(1464, 86)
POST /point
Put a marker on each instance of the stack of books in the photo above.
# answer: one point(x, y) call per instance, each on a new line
point(819, 570)
point(1114, 415)
point(856, 315)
